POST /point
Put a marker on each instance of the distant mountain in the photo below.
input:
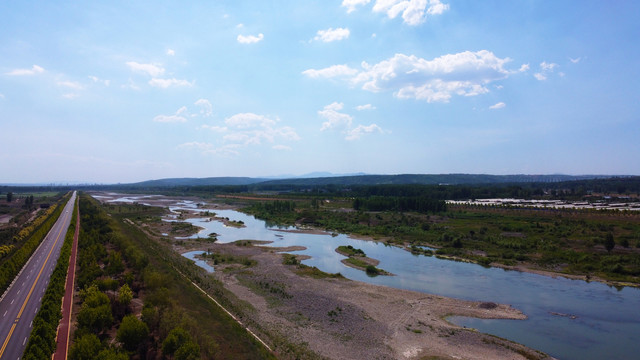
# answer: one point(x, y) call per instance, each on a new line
point(315, 174)
point(323, 178)
point(436, 179)
point(199, 181)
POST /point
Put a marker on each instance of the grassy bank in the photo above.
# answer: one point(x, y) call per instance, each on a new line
point(178, 318)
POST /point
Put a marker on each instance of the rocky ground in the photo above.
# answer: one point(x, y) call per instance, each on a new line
point(338, 318)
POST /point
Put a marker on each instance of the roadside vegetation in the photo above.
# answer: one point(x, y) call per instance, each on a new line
point(25, 242)
point(18, 209)
point(136, 302)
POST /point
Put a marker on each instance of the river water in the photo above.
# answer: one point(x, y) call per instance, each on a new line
point(568, 319)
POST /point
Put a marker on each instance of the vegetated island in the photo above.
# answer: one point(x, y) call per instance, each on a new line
point(356, 258)
point(225, 220)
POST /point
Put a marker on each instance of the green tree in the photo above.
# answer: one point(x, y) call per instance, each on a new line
point(176, 338)
point(95, 312)
point(609, 243)
point(9, 196)
point(132, 332)
point(96, 318)
point(85, 348)
point(115, 264)
point(125, 295)
point(188, 351)
point(110, 354)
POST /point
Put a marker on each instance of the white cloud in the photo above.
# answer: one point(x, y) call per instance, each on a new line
point(165, 83)
point(464, 74)
point(414, 12)
point(332, 34)
point(206, 109)
point(252, 129)
point(247, 120)
point(197, 145)
point(360, 130)
point(334, 118)
point(351, 5)
point(131, 85)
point(96, 79)
point(244, 130)
point(35, 69)
point(70, 96)
point(250, 39)
point(71, 84)
point(365, 107)
point(575, 61)
point(240, 26)
point(282, 147)
point(499, 105)
point(545, 69)
point(153, 70)
point(169, 118)
point(540, 76)
point(1, 96)
point(338, 120)
point(524, 67)
point(179, 116)
point(548, 66)
point(331, 71)
point(215, 128)
point(171, 52)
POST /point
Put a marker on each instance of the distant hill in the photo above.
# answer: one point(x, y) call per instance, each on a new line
point(423, 179)
point(436, 179)
point(198, 181)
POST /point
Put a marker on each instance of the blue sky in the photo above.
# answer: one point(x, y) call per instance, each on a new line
point(124, 91)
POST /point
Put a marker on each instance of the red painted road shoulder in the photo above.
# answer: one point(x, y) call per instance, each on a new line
point(64, 329)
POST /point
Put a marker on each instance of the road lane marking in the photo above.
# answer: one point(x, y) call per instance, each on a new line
point(4, 346)
point(15, 323)
point(5, 313)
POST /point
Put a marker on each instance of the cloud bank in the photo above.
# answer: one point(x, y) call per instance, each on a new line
point(408, 76)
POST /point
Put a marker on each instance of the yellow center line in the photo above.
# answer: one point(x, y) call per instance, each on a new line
point(6, 341)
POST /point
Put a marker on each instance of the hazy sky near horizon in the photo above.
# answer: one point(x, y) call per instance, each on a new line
point(124, 91)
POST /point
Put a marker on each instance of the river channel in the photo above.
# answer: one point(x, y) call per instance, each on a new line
point(568, 319)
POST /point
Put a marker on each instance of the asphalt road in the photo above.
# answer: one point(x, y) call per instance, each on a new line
point(22, 300)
